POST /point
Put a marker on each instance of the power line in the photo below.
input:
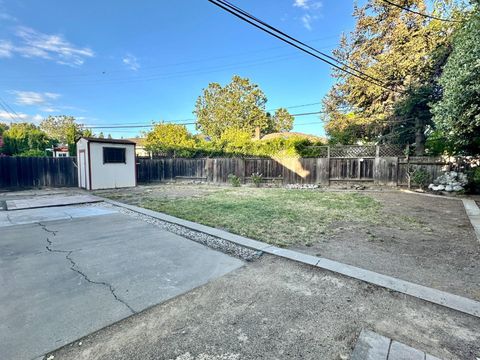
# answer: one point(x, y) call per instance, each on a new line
point(175, 64)
point(244, 16)
point(171, 122)
point(6, 107)
point(419, 13)
point(294, 39)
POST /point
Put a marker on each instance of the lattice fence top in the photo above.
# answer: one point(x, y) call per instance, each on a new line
point(353, 151)
point(356, 151)
point(390, 150)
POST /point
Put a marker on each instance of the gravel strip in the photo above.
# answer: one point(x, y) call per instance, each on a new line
point(211, 241)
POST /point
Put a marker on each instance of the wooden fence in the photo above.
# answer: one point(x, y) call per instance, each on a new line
point(19, 172)
point(27, 172)
point(390, 170)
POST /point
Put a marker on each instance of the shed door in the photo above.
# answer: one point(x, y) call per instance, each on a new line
point(82, 164)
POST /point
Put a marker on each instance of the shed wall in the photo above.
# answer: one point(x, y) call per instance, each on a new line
point(107, 176)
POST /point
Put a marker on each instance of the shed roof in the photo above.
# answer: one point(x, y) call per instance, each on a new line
point(109, 141)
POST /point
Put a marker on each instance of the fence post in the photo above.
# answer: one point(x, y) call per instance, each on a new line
point(328, 164)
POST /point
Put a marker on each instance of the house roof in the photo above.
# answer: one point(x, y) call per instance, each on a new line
point(109, 141)
point(289, 134)
point(138, 141)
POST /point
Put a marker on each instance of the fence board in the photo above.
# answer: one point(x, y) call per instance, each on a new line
point(25, 172)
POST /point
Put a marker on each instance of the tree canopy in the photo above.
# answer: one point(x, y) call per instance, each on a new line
point(25, 138)
point(64, 130)
point(239, 105)
point(402, 50)
point(457, 113)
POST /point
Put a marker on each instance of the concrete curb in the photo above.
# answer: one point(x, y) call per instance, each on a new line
point(434, 296)
point(473, 213)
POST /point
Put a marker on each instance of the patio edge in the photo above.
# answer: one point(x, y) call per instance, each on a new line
point(451, 301)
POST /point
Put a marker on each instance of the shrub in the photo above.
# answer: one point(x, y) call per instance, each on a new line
point(474, 180)
point(234, 180)
point(257, 179)
point(32, 153)
point(420, 177)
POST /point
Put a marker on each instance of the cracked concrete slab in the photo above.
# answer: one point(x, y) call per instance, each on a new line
point(64, 279)
point(29, 216)
point(50, 201)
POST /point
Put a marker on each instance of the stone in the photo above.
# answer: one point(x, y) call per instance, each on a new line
point(440, 188)
point(458, 188)
point(449, 188)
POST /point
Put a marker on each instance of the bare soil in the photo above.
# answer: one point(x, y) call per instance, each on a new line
point(278, 309)
point(438, 250)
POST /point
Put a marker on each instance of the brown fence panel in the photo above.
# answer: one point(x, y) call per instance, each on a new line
point(27, 172)
point(386, 171)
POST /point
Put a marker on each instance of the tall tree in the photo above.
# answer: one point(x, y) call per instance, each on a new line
point(398, 48)
point(240, 104)
point(281, 120)
point(457, 114)
point(64, 129)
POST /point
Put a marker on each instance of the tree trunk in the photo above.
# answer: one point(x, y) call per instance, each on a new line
point(419, 137)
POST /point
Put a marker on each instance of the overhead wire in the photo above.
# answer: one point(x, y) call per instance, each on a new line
point(419, 13)
point(232, 9)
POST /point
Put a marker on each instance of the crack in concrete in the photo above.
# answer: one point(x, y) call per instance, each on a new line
point(74, 267)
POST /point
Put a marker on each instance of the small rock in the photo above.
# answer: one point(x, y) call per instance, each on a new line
point(449, 188)
point(51, 357)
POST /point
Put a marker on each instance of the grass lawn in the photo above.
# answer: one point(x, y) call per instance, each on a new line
point(277, 216)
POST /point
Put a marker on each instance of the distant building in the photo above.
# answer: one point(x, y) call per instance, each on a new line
point(60, 151)
point(140, 150)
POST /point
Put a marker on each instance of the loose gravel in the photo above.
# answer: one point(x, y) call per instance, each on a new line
point(212, 242)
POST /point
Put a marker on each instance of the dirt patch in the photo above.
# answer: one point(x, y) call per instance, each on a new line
point(277, 309)
point(438, 249)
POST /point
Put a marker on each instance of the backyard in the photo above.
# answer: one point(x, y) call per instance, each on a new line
point(389, 232)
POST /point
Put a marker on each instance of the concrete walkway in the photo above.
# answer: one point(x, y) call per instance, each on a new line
point(473, 213)
point(435, 296)
point(50, 200)
point(60, 280)
point(372, 346)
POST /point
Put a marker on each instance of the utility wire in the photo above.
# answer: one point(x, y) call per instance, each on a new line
point(187, 123)
point(419, 13)
point(294, 39)
point(296, 43)
point(5, 107)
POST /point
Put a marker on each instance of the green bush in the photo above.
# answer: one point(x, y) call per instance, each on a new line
point(421, 178)
point(32, 153)
point(234, 180)
point(474, 180)
point(257, 179)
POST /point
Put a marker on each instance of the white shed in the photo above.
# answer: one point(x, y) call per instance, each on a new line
point(105, 163)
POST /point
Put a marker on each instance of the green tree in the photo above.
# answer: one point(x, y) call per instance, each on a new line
point(404, 51)
point(240, 104)
point(23, 137)
point(457, 114)
point(170, 140)
point(281, 120)
point(64, 130)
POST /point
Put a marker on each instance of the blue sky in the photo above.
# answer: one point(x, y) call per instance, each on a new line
point(122, 62)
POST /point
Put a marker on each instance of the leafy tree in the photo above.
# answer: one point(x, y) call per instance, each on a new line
point(397, 47)
point(22, 137)
point(240, 104)
point(457, 114)
point(282, 120)
point(64, 129)
point(170, 140)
